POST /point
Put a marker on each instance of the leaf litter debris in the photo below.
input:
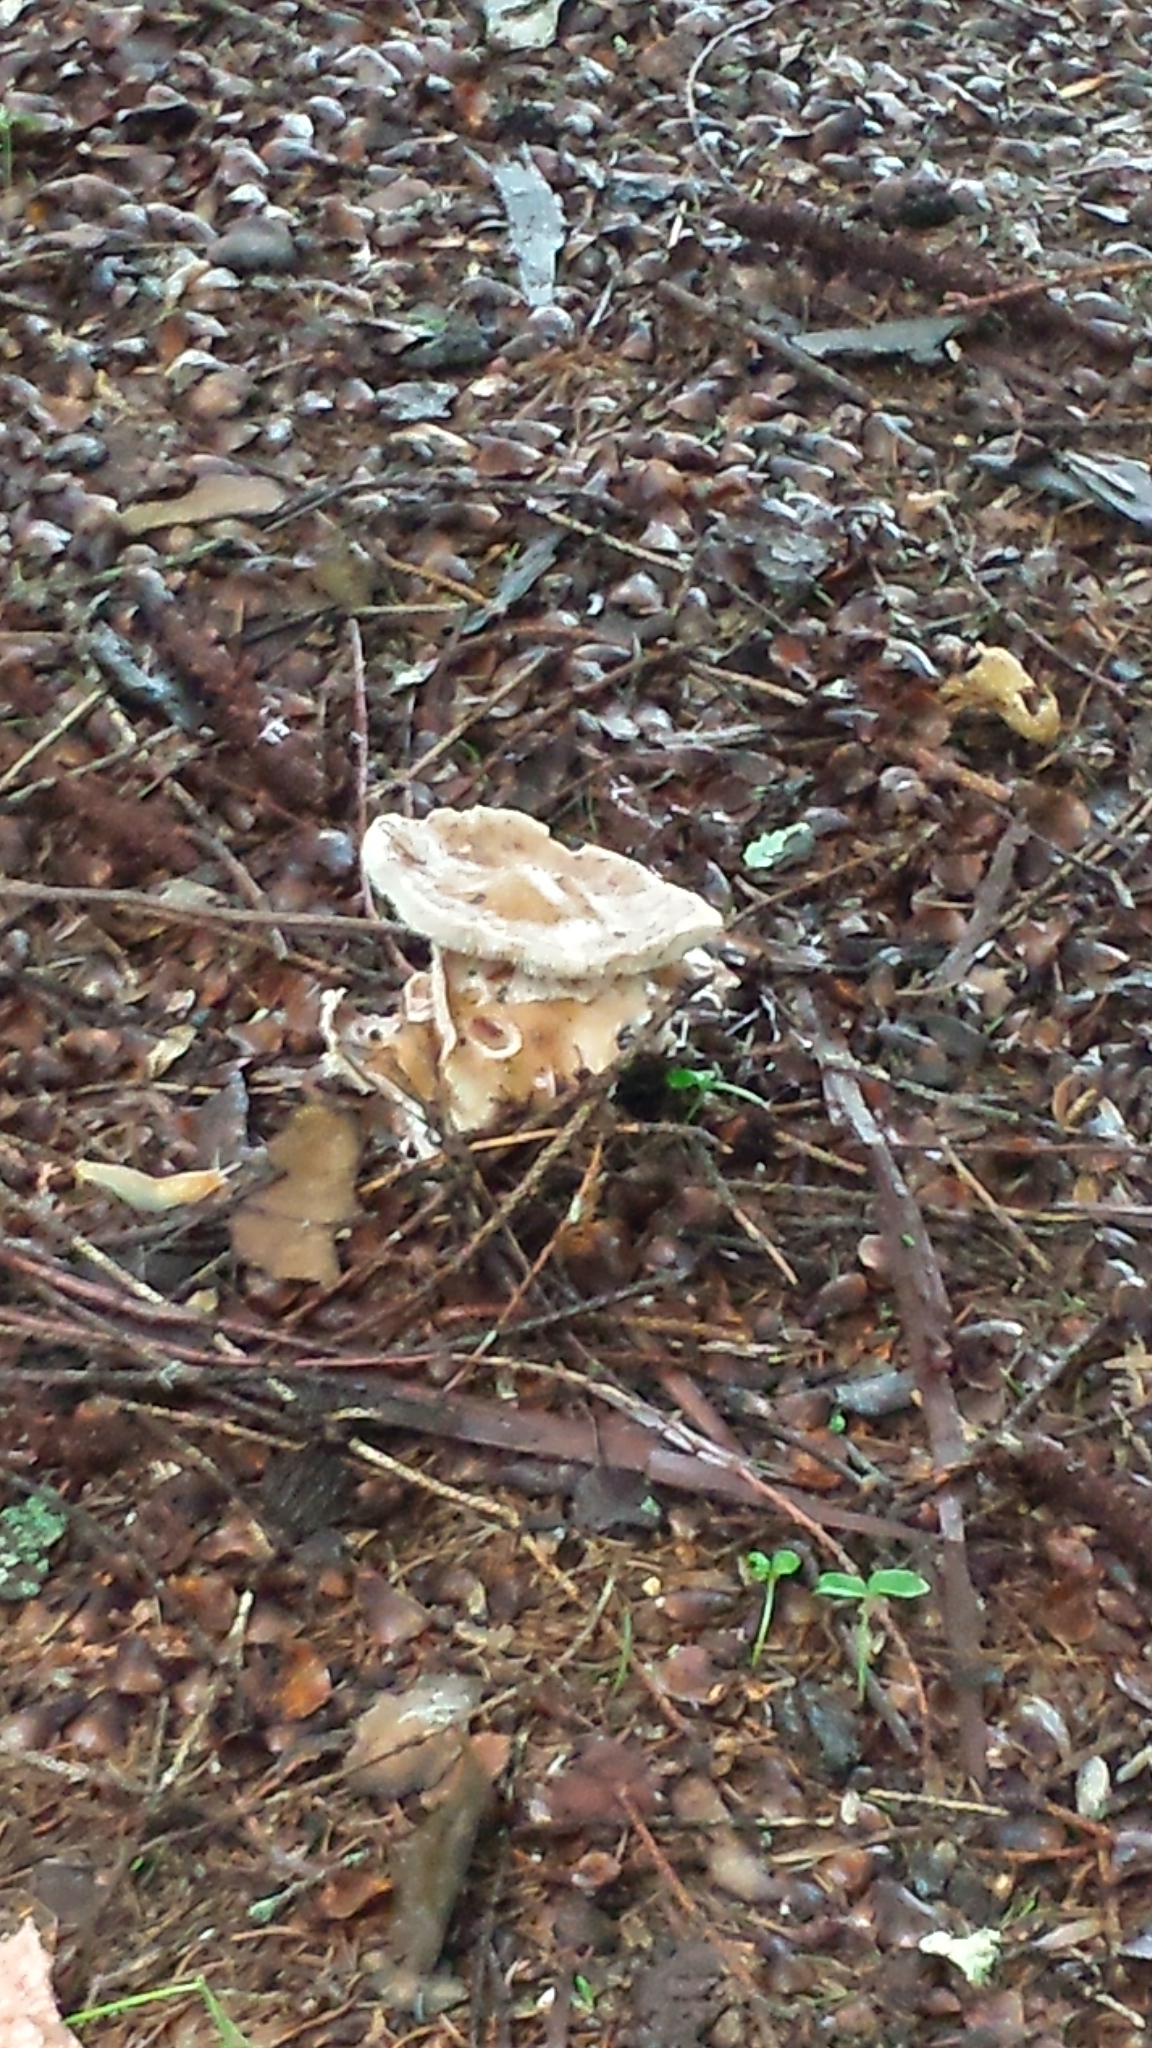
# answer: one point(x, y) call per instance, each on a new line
point(630, 420)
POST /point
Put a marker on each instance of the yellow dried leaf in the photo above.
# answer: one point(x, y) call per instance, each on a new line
point(150, 1192)
point(998, 682)
point(289, 1229)
point(213, 497)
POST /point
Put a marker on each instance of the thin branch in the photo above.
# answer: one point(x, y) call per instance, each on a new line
point(926, 1316)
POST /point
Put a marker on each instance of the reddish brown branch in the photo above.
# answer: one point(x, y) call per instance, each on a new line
point(926, 1317)
point(1107, 1501)
point(797, 224)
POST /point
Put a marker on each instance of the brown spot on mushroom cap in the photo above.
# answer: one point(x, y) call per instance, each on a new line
point(494, 885)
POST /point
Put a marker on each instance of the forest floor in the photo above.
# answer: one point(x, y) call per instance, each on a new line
point(404, 409)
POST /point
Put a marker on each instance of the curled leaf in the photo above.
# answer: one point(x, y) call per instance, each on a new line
point(222, 496)
point(998, 682)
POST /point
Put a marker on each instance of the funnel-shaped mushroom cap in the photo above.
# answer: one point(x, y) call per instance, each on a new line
point(494, 885)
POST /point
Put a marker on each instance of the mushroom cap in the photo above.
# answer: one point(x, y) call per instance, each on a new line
point(494, 885)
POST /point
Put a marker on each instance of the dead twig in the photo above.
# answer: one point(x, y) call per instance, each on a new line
point(1068, 280)
point(359, 737)
point(986, 909)
point(926, 1316)
point(164, 912)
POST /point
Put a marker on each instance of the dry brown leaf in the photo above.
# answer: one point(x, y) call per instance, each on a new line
point(998, 682)
point(305, 1683)
point(289, 1229)
point(405, 1741)
point(225, 496)
point(594, 1785)
point(347, 1892)
point(28, 2014)
point(153, 1193)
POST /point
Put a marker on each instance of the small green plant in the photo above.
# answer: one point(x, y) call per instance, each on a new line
point(583, 1996)
point(12, 126)
point(767, 1570)
point(701, 1082)
point(30, 1529)
point(192, 1987)
point(870, 1595)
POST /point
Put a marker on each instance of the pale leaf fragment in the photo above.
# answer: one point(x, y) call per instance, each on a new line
point(169, 1049)
point(150, 1192)
point(213, 497)
point(28, 2013)
point(975, 1955)
point(998, 682)
point(536, 226)
point(521, 24)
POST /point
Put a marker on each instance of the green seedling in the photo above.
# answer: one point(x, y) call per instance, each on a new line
point(192, 1987)
point(767, 1571)
point(12, 126)
point(583, 1996)
point(870, 1595)
point(701, 1082)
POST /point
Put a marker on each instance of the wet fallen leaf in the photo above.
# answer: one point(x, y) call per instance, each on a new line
point(150, 1192)
point(998, 682)
point(214, 497)
point(289, 1229)
point(304, 1684)
point(406, 1740)
point(169, 1049)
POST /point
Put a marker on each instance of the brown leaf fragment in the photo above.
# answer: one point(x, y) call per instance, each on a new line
point(678, 1998)
point(213, 497)
point(595, 1785)
point(289, 1229)
point(28, 2015)
point(304, 1685)
point(347, 1892)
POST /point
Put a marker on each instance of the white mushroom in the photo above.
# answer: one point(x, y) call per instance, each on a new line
point(541, 958)
point(495, 885)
